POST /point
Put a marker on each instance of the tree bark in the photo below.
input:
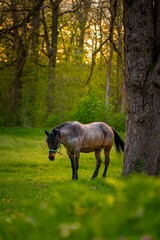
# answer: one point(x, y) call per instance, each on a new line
point(51, 47)
point(142, 60)
point(82, 15)
point(108, 76)
point(21, 53)
point(119, 60)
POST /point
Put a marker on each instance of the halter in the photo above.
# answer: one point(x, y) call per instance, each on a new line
point(55, 150)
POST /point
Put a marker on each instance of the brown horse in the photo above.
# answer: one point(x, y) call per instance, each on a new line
point(77, 137)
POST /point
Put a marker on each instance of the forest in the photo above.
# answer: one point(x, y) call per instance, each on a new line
point(61, 60)
point(85, 60)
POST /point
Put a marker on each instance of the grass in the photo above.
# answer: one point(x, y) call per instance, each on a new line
point(38, 200)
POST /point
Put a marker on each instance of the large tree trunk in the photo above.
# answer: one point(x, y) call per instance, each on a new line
point(142, 60)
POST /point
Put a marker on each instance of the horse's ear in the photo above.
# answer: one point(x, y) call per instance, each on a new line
point(47, 133)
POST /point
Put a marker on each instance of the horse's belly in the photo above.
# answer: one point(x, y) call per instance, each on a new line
point(88, 150)
point(92, 145)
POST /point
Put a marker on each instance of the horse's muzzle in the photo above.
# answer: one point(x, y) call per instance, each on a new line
point(51, 156)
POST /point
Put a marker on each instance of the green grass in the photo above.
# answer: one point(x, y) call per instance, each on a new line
point(38, 200)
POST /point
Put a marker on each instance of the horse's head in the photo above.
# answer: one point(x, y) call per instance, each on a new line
point(53, 142)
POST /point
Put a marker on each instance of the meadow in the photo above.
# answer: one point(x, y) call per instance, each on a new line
point(38, 199)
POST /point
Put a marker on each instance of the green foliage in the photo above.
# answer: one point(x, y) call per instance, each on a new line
point(5, 97)
point(33, 110)
point(39, 201)
point(90, 109)
point(116, 120)
point(52, 121)
point(71, 99)
point(28, 69)
point(69, 88)
point(85, 211)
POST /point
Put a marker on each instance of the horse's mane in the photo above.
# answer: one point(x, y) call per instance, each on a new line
point(64, 125)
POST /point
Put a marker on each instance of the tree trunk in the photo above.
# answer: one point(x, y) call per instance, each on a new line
point(108, 76)
point(142, 60)
point(82, 15)
point(35, 25)
point(51, 47)
point(119, 65)
point(20, 54)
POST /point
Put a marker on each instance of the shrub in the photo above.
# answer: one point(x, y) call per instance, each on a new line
point(116, 120)
point(52, 121)
point(75, 211)
point(90, 109)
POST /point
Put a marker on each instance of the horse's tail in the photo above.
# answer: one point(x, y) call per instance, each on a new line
point(118, 141)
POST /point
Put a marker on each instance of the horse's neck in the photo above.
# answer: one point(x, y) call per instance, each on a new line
point(64, 135)
point(67, 138)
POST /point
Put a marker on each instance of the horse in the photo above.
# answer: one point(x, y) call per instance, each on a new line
point(77, 137)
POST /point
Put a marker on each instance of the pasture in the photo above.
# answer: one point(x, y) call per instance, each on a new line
point(38, 199)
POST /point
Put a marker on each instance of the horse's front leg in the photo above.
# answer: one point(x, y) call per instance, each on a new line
point(98, 164)
point(74, 164)
point(71, 156)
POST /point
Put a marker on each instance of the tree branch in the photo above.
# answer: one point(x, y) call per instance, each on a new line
point(113, 12)
point(24, 21)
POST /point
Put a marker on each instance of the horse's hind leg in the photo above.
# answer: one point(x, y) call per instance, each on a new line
point(98, 164)
point(106, 162)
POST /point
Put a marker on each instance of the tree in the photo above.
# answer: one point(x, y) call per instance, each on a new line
point(17, 30)
point(51, 40)
point(142, 61)
point(109, 44)
point(20, 58)
point(81, 16)
point(46, 53)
